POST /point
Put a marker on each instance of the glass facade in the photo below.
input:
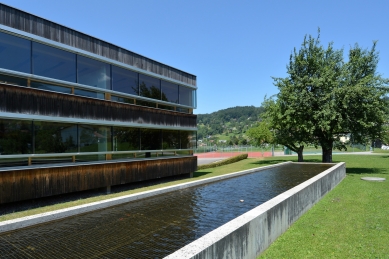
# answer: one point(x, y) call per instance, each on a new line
point(150, 139)
point(186, 96)
point(15, 137)
point(54, 88)
point(93, 72)
point(15, 53)
point(125, 81)
point(169, 92)
point(38, 137)
point(125, 139)
point(54, 63)
point(30, 57)
point(53, 137)
point(149, 87)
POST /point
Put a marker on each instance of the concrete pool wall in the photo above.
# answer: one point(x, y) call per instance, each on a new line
point(248, 235)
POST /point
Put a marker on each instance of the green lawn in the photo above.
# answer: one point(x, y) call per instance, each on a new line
point(352, 221)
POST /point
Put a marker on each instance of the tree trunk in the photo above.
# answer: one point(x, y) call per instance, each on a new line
point(300, 155)
point(326, 155)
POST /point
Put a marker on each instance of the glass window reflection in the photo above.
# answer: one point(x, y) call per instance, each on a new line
point(170, 139)
point(15, 137)
point(169, 92)
point(124, 80)
point(88, 93)
point(52, 62)
point(94, 138)
point(51, 137)
point(149, 87)
point(186, 96)
point(150, 139)
point(54, 88)
point(15, 53)
point(188, 139)
point(93, 73)
point(126, 139)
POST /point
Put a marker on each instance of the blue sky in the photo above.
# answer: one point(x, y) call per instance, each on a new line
point(233, 47)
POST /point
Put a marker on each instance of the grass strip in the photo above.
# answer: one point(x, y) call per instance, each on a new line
point(349, 222)
point(226, 161)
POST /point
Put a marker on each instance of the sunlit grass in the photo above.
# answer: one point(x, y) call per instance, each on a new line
point(349, 222)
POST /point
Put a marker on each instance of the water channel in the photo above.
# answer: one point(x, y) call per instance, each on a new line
point(154, 227)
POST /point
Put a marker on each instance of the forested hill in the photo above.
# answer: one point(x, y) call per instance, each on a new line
point(234, 120)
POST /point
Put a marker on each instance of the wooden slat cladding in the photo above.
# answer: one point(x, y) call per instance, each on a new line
point(26, 22)
point(32, 101)
point(26, 184)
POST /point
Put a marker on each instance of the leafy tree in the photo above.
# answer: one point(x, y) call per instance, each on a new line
point(286, 128)
point(324, 98)
point(261, 135)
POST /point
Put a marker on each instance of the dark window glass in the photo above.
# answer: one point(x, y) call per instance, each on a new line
point(186, 96)
point(15, 53)
point(52, 62)
point(147, 104)
point(149, 87)
point(122, 99)
point(51, 160)
point(165, 107)
point(88, 93)
point(126, 139)
point(13, 80)
point(124, 80)
point(94, 73)
point(185, 110)
point(54, 88)
point(169, 92)
point(13, 162)
point(51, 137)
point(150, 139)
point(170, 139)
point(188, 139)
point(15, 137)
point(94, 138)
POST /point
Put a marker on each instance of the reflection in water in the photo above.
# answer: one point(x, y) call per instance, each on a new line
point(157, 226)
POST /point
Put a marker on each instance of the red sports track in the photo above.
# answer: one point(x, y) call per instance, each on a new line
point(230, 154)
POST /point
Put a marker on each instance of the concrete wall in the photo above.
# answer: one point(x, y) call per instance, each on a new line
point(250, 234)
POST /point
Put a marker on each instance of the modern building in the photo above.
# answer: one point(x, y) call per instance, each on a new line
point(78, 113)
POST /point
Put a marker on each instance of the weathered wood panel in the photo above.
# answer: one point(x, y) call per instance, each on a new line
point(17, 185)
point(26, 22)
point(32, 101)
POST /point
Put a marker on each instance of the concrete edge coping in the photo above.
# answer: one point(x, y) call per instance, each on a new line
point(194, 248)
point(32, 220)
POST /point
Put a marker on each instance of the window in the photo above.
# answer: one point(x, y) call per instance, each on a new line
point(15, 53)
point(149, 87)
point(15, 137)
point(186, 96)
point(52, 62)
point(150, 139)
point(188, 139)
point(169, 92)
point(94, 138)
point(93, 73)
point(171, 139)
point(88, 93)
point(51, 137)
point(54, 88)
point(125, 139)
point(124, 81)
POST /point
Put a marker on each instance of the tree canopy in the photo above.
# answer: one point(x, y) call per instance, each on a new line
point(325, 97)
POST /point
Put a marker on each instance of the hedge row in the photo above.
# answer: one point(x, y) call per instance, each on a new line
point(223, 162)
